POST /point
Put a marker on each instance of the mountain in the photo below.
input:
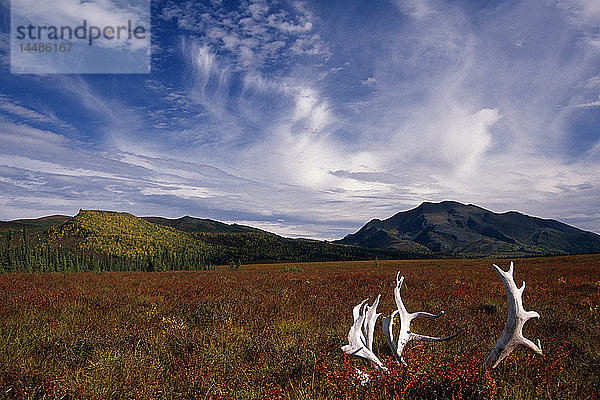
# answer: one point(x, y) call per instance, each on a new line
point(191, 224)
point(42, 223)
point(451, 227)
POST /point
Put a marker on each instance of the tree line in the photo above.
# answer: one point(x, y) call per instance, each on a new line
point(31, 251)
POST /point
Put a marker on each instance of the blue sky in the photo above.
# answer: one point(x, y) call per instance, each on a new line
point(309, 118)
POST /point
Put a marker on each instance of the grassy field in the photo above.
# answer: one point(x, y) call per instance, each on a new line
point(275, 331)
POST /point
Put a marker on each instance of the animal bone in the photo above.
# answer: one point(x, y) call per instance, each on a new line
point(360, 336)
point(405, 335)
point(512, 336)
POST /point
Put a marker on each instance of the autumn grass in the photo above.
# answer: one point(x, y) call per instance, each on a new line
point(275, 331)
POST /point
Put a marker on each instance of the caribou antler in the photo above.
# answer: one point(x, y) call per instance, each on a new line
point(405, 335)
point(360, 336)
point(512, 336)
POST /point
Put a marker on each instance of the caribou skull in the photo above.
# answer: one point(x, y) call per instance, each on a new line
point(360, 336)
point(405, 335)
point(512, 336)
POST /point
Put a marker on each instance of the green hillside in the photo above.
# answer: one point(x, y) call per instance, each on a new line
point(121, 234)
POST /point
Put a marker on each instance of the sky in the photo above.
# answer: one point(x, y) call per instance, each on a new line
point(309, 118)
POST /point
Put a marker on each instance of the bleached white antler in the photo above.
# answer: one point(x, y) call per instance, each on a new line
point(512, 336)
point(405, 335)
point(360, 336)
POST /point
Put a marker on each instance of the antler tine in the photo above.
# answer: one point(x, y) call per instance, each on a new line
point(426, 314)
point(405, 335)
point(398, 292)
point(357, 308)
point(388, 326)
point(512, 335)
point(435, 339)
point(360, 336)
point(370, 321)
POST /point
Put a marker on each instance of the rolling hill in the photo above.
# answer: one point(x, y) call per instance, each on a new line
point(41, 223)
point(454, 228)
point(191, 224)
point(119, 234)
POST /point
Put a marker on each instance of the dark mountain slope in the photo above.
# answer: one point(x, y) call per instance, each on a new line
point(41, 223)
point(452, 227)
point(191, 224)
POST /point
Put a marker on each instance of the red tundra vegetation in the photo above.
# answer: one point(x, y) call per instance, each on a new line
point(275, 331)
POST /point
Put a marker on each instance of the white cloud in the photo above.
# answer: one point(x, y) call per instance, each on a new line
point(584, 15)
point(593, 82)
point(310, 109)
point(418, 9)
point(14, 109)
point(24, 112)
point(591, 104)
point(25, 137)
point(204, 61)
point(312, 46)
point(369, 81)
point(254, 34)
point(181, 191)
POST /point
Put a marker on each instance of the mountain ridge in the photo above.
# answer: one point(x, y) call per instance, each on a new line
point(42, 222)
point(186, 223)
point(432, 230)
point(194, 224)
point(453, 227)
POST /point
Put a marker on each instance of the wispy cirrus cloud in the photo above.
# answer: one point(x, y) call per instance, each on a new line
point(310, 118)
point(418, 9)
point(13, 109)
